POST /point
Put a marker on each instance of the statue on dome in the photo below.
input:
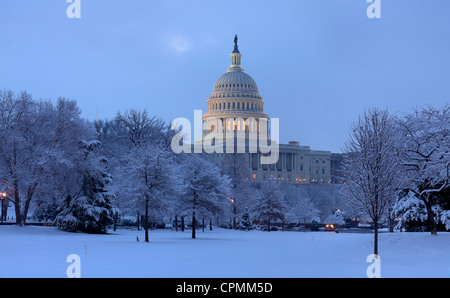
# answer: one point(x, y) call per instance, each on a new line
point(235, 44)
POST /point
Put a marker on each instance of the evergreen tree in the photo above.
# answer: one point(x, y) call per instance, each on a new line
point(91, 210)
point(246, 223)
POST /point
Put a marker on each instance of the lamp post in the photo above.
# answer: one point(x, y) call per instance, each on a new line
point(2, 198)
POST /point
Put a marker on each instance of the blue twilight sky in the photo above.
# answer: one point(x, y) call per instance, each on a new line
point(318, 63)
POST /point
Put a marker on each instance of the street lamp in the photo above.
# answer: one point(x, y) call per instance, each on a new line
point(2, 198)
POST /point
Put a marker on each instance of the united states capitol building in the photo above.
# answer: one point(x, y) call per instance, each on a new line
point(235, 96)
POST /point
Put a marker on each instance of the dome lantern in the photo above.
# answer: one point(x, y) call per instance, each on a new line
point(235, 57)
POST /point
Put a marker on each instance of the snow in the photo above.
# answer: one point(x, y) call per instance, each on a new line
point(34, 251)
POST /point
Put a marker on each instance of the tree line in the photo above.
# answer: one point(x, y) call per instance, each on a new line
point(82, 175)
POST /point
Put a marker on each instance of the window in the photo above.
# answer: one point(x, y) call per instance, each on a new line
point(254, 176)
point(317, 171)
point(323, 171)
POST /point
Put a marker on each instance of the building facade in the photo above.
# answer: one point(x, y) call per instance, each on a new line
point(235, 106)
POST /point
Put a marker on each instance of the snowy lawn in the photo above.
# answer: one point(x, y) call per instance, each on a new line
point(42, 252)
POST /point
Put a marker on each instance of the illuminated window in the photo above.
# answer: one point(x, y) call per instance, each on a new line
point(254, 176)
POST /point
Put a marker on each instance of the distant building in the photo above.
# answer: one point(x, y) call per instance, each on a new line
point(336, 160)
point(235, 96)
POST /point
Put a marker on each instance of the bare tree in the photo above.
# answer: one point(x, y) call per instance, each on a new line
point(371, 169)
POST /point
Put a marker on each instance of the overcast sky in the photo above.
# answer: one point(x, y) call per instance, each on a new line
point(318, 63)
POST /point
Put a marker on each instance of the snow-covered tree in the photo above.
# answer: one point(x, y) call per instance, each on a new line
point(303, 211)
point(46, 209)
point(246, 223)
point(337, 218)
point(90, 209)
point(38, 140)
point(412, 213)
point(144, 166)
point(235, 166)
point(205, 188)
point(371, 168)
point(148, 173)
point(271, 204)
point(425, 147)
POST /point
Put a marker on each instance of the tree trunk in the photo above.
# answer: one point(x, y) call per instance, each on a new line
point(210, 224)
point(193, 223)
point(146, 220)
point(25, 211)
point(268, 226)
point(182, 223)
point(203, 224)
point(176, 223)
point(430, 213)
point(17, 204)
point(2, 216)
point(375, 240)
point(390, 220)
point(234, 215)
point(193, 217)
point(138, 221)
point(30, 193)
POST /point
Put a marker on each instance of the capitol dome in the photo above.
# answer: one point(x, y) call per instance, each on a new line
point(237, 82)
point(235, 94)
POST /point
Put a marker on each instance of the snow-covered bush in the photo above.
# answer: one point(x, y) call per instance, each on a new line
point(412, 214)
point(336, 218)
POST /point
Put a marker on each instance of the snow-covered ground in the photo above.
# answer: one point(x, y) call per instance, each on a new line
point(42, 252)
